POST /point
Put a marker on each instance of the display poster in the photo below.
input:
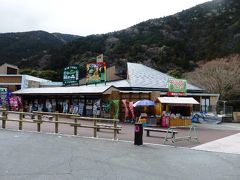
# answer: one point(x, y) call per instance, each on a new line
point(96, 108)
point(75, 109)
point(13, 103)
point(3, 97)
point(65, 107)
point(81, 107)
point(96, 73)
point(106, 106)
point(177, 85)
point(71, 75)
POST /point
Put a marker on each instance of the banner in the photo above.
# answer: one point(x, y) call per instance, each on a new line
point(125, 104)
point(71, 75)
point(96, 73)
point(177, 85)
point(115, 104)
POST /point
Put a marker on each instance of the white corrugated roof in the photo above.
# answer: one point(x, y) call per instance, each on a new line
point(91, 89)
point(119, 83)
point(143, 76)
point(177, 100)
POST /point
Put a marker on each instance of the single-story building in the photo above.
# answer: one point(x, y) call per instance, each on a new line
point(135, 83)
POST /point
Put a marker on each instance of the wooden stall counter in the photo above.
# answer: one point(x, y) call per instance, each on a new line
point(180, 122)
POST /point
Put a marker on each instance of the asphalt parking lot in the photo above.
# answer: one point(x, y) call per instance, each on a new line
point(26, 155)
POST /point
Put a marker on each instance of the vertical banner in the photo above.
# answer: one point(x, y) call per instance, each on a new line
point(96, 73)
point(131, 109)
point(115, 104)
point(125, 104)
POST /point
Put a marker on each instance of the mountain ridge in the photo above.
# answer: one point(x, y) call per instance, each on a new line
point(15, 47)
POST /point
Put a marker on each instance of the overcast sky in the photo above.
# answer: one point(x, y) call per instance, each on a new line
point(84, 17)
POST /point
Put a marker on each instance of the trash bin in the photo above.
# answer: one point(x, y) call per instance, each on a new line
point(138, 134)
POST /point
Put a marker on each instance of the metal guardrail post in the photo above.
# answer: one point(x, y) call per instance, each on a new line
point(20, 120)
point(39, 122)
point(56, 124)
point(95, 128)
point(75, 127)
point(4, 118)
point(115, 130)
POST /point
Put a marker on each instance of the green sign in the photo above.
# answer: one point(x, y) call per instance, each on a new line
point(177, 85)
point(71, 75)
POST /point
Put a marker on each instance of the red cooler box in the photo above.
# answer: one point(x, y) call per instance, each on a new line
point(165, 121)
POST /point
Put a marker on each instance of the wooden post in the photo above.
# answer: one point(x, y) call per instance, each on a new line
point(115, 130)
point(75, 126)
point(39, 123)
point(4, 118)
point(20, 120)
point(56, 123)
point(95, 128)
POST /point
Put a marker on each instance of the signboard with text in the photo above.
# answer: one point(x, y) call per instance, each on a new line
point(177, 86)
point(71, 75)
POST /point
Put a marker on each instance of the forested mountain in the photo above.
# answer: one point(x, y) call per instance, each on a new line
point(172, 44)
point(16, 48)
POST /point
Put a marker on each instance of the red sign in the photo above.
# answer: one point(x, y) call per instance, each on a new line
point(175, 94)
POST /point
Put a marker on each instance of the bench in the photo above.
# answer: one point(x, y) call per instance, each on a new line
point(108, 126)
point(168, 132)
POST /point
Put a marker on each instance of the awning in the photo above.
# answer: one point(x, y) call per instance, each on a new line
point(177, 100)
point(90, 89)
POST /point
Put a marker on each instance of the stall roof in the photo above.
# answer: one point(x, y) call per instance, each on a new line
point(177, 100)
point(90, 89)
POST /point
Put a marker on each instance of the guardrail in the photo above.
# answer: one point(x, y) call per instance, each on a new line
point(37, 118)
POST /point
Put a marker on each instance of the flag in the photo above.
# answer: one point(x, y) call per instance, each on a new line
point(100, 58)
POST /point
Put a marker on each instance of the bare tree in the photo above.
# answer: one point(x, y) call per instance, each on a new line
point(221, 75)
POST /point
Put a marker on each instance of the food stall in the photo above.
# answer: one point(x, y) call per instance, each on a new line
point(175, 111)
point(145, 117)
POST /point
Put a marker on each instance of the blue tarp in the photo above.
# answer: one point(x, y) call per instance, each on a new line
point(206, 118)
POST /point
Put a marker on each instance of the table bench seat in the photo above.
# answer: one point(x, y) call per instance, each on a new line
point(171, 133)
point(49, 117)
point(168, 132)
point(108, 126)
point(148, 129)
